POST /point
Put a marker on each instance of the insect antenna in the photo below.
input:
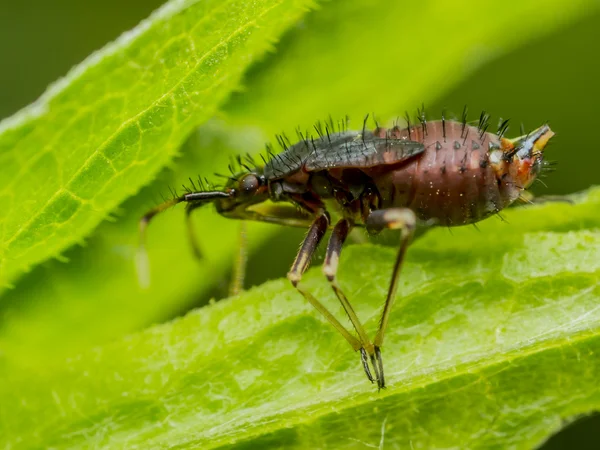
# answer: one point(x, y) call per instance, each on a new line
point(364, 128)
point(522, 129)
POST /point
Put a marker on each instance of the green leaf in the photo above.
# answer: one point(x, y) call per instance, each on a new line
point(105, 130)
point(387, 61)
point(492, 344)
point(60, 309)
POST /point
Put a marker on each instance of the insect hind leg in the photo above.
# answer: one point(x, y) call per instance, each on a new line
point(405, 220)
point(334, 248)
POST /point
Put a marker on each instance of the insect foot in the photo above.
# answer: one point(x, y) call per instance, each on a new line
point(374, 357)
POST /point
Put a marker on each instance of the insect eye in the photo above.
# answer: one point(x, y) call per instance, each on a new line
point(249, 184)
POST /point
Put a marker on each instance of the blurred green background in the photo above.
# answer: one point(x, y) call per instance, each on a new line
point(554, 78)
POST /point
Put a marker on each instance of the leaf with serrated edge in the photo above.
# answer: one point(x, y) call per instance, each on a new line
point(104, 131)
point(489, 346)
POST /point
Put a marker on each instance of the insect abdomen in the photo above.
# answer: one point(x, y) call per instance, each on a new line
point(452, 182)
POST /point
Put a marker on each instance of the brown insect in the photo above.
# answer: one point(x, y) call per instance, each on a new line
point(443, 172)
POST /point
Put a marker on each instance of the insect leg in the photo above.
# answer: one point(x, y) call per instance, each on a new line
point(393, 218)
point(334, 248)
point(239, 267)
point(309, 245)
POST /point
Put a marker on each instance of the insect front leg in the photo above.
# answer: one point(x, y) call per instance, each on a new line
point(309, 245)
point(405, 220)
point(239, 267)
point(334, 248)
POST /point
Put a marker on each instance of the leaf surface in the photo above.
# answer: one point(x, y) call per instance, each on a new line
point(492, 344)
point(106, 129)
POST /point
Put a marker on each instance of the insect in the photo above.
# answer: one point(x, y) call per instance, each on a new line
point(443, 172)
